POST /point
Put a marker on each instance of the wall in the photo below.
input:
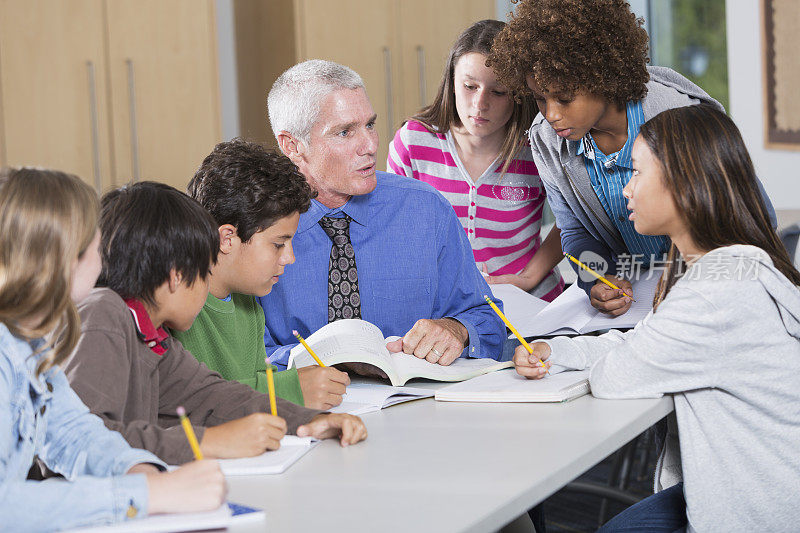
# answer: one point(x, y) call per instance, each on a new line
point(779, 170)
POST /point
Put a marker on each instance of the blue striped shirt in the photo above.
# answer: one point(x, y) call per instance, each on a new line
point(609, 174)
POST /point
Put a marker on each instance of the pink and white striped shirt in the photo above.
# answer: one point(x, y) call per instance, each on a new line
point(501, 217)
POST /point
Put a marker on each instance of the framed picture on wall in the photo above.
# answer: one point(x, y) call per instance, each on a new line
point(781, 26)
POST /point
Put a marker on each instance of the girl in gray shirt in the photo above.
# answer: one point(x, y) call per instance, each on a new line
point(723, 337)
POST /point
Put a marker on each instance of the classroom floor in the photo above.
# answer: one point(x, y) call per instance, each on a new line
point(570, 512)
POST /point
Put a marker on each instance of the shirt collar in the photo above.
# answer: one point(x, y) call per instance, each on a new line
point(581, 148)
point(633, 113)
point(153, 337)
point(356, 208)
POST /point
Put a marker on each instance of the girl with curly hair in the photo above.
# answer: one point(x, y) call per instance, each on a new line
point(729, 462)
point(470, 145)
point(585, 62)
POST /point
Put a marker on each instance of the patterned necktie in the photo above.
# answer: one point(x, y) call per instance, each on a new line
point(343, 298)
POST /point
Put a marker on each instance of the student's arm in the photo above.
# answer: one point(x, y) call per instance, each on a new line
point(677, 348)
point(287, 384)
point(43, 505)
point(99, 372)
point(210, 400)
point(79, 443)
point(398, 160)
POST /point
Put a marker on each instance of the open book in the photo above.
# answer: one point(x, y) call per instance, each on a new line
point(358, 341)
point(572, 313)
point(272, 462)
point(518, 305)
point(366, 396)
point(508, 386)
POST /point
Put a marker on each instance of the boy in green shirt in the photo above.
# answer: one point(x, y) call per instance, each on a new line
point(256, 197)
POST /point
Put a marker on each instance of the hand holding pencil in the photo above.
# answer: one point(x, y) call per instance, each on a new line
point(513, 330)
point(610, 295)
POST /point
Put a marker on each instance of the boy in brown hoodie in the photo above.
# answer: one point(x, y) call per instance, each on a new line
point(157, 248)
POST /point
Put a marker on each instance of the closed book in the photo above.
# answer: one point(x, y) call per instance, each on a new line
point(508, 386)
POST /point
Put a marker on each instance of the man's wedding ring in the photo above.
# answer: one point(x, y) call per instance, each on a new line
point(437, 353)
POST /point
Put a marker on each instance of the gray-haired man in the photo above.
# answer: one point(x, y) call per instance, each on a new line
point(373, 245)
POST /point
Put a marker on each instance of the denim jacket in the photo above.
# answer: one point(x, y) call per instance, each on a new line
point(41, 416)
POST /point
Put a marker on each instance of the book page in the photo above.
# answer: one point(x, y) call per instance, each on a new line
point(568, 313)
point(410, 366)
point(518, 305)
point(367, 396)
point(344, 341)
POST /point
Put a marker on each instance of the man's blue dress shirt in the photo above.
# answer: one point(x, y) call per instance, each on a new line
point(413, 259)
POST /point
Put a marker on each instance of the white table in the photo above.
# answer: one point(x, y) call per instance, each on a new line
point(439, 466)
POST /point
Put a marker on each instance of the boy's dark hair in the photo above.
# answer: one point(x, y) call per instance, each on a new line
point(148, 229)
point(594, 46)
point(242, 184)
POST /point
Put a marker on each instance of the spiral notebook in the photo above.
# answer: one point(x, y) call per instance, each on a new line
point(508, 386)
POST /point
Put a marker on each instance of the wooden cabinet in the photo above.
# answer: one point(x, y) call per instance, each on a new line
point(163, 70)
point(53, 87)
point(118, 90)
point(112, 90)
point(399, 47)
point(426, 33)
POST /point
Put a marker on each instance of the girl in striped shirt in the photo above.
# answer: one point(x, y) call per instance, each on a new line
point(470, 145)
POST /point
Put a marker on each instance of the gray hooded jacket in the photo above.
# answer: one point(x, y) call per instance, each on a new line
point(725, 343)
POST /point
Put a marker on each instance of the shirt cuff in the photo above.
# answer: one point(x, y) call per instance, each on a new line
point(563, 355)
point(280, 357)
point(473, 348)
point(130, 497)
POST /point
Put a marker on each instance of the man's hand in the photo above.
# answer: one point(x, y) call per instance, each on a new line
point(322, 386)
point(350, 429)
point(437, 341)
point(528, 365)
point(611, 301)
point(244, 437)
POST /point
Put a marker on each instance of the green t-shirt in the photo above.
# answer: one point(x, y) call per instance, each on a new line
point(228, 336)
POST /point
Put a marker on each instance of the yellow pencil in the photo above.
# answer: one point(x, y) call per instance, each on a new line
point(304, 343)
point(273, 407)
point(597, 275)
point(514, 330)
point(190, 436)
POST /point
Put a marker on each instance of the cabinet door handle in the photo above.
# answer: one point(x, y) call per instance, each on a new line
point(387, 63)
point(98, 182)
point(132, 112)
point(423, 85)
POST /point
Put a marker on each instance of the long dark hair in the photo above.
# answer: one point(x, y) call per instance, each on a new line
point(708, 171)
point(441, 115)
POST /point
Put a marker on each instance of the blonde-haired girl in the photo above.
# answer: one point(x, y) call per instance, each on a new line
point(49, 259)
